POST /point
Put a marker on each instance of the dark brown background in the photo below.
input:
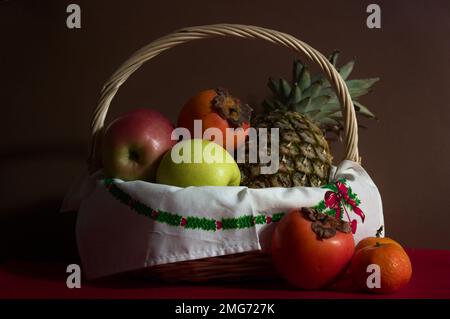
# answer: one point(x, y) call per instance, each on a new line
point(51, 78)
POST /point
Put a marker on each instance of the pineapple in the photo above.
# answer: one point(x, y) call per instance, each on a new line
point(305, 111)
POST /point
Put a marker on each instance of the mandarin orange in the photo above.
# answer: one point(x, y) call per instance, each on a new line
point(394, 265)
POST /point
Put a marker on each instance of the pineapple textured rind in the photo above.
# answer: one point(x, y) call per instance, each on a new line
point(304, 154)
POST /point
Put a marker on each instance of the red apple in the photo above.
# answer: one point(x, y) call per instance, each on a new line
point(134, 143)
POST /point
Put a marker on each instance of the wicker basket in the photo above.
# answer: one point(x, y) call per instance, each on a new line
point(244, 265)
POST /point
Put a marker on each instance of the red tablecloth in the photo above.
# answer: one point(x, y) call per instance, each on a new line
point(19, 279)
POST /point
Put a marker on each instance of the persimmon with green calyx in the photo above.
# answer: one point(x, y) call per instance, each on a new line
point(311, 249)
point(217, 108)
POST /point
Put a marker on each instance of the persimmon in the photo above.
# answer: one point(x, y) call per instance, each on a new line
point(311, 249)
point(393, 262)
point(217, 108)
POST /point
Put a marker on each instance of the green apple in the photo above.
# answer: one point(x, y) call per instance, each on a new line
point(197, 162)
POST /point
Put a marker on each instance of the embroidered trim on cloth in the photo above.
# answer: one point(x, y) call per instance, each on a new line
point(338, 199)
point(190, 222)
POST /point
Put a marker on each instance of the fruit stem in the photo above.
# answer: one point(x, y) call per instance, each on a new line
point(379, 231)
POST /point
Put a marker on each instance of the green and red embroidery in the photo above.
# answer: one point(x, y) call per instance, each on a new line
point(338, 199)
point(189, 222)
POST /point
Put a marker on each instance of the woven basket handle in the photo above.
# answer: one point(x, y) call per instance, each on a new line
point(220, 30)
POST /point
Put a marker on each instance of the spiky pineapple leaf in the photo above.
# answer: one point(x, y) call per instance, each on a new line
point(363, 110)
point(318, 115)
point(281, 106)
point(336, 115)
point(317, 103)
point(319, 78)
point(301, 107)
point(334, 57)
point(360, 87)
point(361, 83)
point(296, 95)
point(314, 90)
point(285, 90)
point(328, 110)
point(314, 96)
point(327, 91)
point(274, 86)
point(357, 92)
point(297, 70)
point(346, 69)
point(305, 78)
